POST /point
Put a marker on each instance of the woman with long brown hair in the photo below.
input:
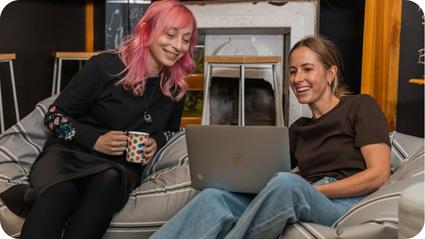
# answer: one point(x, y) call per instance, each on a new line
point(342, 153)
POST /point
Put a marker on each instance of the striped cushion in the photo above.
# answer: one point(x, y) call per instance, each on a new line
point(402, 146)
point(21, 144)
point(172, 155)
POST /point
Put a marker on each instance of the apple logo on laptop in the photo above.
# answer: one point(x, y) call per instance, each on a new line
point(237, 159)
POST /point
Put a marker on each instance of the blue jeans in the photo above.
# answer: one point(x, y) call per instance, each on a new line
point(287, 198)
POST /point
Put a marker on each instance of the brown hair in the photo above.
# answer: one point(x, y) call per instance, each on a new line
point(329, 56)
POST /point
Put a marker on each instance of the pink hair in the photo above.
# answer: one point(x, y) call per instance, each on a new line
point(159, 18)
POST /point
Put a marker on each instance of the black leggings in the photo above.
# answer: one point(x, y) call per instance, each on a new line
point(85, 205)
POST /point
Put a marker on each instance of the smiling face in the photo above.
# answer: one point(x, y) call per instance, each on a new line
point(308, 77)
point(169, 47)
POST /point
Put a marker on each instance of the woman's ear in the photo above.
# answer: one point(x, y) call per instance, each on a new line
point(332, 74)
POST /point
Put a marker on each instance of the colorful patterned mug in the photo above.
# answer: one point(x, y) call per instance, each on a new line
point(135, 146)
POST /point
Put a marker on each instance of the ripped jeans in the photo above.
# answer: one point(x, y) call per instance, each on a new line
point(287, 198)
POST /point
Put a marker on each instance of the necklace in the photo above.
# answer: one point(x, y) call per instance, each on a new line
point(146, 116)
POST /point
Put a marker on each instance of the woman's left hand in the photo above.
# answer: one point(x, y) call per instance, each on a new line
point(150, 149)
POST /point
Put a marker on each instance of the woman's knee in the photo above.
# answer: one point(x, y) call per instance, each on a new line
point(286, 180)
point(108, 180)
point(108, 176)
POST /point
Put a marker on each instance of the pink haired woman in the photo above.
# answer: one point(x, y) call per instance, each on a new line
point(82, 178)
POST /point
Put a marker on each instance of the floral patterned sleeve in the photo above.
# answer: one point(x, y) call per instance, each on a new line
point(59, 124)
point(64, 117)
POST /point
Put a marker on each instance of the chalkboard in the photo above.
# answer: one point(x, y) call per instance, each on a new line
point(120, 19)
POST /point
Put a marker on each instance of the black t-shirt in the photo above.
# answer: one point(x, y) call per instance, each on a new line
point(330, 145)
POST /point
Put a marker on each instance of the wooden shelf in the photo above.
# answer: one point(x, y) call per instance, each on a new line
point(7, 56)
point(190, 120)
point(195, 81)
point(242, 59)
point(417, 81)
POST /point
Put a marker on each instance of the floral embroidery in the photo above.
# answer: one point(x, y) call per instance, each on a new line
point(59, 124)
point(169, 134)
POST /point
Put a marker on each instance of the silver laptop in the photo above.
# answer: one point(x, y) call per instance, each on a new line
point(236, 158)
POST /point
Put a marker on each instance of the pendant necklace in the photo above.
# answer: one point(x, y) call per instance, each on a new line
point(146, 116)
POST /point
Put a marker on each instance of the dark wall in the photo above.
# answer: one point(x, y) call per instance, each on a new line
point(99, 24)
point(33, 29)
point(410, 108)
point(342, 22)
